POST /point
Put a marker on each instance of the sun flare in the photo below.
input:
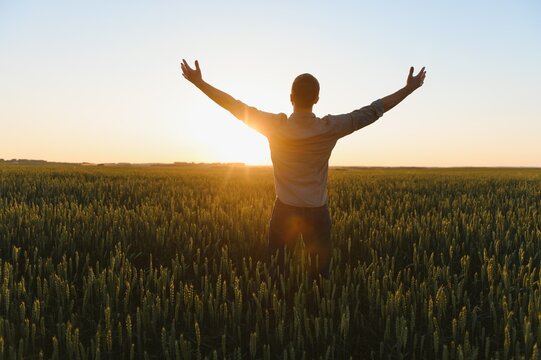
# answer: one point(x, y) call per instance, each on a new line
point(239, 144)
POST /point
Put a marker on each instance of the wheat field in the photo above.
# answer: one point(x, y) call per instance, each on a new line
point(170, 262)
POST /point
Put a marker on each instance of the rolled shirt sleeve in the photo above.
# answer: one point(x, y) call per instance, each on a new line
point(263, 122)
point(345, 124)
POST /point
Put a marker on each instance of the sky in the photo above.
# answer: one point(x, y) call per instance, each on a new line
point(99, 81)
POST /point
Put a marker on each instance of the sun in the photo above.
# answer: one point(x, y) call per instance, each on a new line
point(239, 143)
point(251, 150)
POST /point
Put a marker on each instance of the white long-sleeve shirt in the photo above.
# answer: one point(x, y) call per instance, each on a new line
point(301, 146)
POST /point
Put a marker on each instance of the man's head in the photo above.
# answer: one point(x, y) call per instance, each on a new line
point(304, 91)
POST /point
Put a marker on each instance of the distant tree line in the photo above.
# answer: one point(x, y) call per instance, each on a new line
point(23, 161)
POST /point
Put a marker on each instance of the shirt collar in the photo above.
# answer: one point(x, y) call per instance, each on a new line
point(303, 115)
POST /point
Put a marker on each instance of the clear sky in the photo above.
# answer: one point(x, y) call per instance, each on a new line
point(99, 81)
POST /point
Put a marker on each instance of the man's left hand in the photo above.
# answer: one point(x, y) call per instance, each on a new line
point(192, 75)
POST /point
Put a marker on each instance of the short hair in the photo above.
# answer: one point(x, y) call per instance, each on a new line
point(305, 90)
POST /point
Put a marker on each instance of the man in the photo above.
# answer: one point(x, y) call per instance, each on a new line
point(300, 146)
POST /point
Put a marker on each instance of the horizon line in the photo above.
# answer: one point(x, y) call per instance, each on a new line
point(242, 164)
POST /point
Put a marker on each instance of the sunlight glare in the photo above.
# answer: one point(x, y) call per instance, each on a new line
point(239, 144)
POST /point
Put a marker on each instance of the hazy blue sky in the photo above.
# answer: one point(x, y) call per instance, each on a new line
point(99, 81)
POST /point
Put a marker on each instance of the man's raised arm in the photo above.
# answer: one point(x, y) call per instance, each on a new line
point(263, 122)
point(412, 84)
point(219, 97)
point(347, 123)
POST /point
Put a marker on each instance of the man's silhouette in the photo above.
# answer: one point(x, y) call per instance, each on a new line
point(300, 146)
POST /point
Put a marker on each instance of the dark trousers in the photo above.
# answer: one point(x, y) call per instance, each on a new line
point(314, 224)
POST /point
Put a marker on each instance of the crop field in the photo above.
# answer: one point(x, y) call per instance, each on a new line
point(171, 262)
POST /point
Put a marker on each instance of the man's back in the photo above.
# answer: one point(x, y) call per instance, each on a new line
point(300, 150)
point(301, 146)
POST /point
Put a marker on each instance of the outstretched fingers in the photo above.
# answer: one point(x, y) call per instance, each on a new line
point(416, 81)
point(190, 74)
point(186, 66)
point(422, 73)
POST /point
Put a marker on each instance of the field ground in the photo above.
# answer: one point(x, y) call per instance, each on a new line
point(170, 262)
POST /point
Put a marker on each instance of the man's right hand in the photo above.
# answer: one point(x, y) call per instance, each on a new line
point(192, 75)
point(415, 82)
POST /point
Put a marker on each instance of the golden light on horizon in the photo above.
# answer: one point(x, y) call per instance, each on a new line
point(239, 144)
